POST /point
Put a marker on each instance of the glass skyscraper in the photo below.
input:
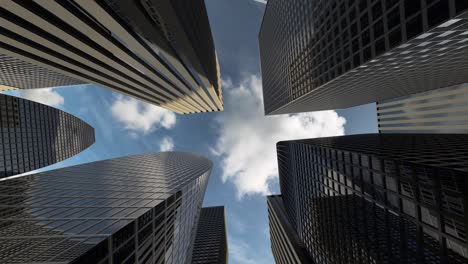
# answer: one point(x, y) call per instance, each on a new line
point(333, 54)
point(443, 110)
point(33, 135)
point(18, 74)
point(139, 208)
point(158, 51)
point(211, 246)
point(285, 245)
point(375, 198)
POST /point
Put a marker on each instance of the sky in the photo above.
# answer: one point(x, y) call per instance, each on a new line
point(240, 141)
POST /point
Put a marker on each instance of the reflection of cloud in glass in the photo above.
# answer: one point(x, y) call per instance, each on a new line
point(69, 214)
point(438, 111)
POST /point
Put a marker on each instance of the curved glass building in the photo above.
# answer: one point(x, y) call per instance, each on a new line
point(135, 209)
point(33, 135)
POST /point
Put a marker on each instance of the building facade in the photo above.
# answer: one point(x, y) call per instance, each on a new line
point(334, 54)
point(377, 198)
point(136, 209)
point(18, 74)
point(156, 51)
point(33, 135)
point(211, 246)
point(443, 110)
point(285, 243)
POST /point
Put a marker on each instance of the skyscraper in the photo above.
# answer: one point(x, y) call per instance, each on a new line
point(33, 135)
point(18, 74)
point(443, 110)
point(377, 198)
point(160, 52)
point(285, 244)
point(319, 55)
point(211, 246)
point(138, 208)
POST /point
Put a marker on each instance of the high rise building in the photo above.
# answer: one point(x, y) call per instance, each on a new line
point(285, 244)
point(33, 135)
point(211, 246)
point(376, 198)
point(136, 209)
point(18, 74)
point(161, 52)
point(443, 110)
point(333, 54)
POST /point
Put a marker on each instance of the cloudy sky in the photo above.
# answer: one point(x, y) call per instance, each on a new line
point(240, 141)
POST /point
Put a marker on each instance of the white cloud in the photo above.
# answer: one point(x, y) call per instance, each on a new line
point(247, 140)
point(242, 252)
point(166, 144)
point(44, 96)
point(141, 117)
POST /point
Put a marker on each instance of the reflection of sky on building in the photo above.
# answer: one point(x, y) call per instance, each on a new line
point(439, 111)
point(65, 214)
point(328, 183)
point(34, 135)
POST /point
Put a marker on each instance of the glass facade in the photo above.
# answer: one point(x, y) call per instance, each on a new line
point(139, 208)
point(438, 111)
point(33, 135)
point(285, 244)
point(334, 54)
point(211, 246)
point(20, 74)
point(139, 48)
point(378, 198)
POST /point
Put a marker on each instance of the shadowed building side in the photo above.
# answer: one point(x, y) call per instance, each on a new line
point(321, 55)
point(377, 198)
point(285, 244)
point(33, 135)
point(211, 246)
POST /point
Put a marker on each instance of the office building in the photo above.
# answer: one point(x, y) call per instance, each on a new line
point(376, 198)
point(211, 246)
point(319, 55)
point(285, 244)
point(33, 135)
point(136, 209)
point(18, 74)
point(156, 51)
point(443, 110)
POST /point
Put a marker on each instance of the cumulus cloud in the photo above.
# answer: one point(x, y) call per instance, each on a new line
point(247, 139)
point(166, 144)
point(45, 96)
point(140, 117)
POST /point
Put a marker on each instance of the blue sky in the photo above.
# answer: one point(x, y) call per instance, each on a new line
point(240, 141)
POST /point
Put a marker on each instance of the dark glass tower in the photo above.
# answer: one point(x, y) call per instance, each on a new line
point(211, 246)
point(138, 208)
point(332, 54)
point(158, 51)
point(33, 135)
point(285, 245)
point(377, 198)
